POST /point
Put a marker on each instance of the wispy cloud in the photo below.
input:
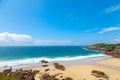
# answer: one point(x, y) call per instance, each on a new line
point(90, 30)
point(112, 9)
point(109, 29)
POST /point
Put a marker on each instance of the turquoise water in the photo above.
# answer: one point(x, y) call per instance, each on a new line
point(10, 56)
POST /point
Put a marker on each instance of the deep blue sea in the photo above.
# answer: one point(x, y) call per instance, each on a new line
point(21, 55)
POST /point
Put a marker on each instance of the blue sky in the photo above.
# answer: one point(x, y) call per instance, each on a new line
point(59, 22)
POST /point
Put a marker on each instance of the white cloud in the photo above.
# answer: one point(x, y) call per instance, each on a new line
point(112, 9)
point(109, 29)
point(52, 42)
point(7, 38)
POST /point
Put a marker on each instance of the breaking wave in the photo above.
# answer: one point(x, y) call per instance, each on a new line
point(37, 60)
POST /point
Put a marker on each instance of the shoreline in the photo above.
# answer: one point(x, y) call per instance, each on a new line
point(32, 61)
point(78, 70)
point(65, 63)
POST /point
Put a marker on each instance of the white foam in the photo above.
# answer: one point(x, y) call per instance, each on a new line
point(37, 60)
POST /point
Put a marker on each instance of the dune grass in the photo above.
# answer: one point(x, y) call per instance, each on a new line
point(4, 77)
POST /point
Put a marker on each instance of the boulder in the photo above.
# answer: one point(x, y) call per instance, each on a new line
point(7, 71)
point(25, 74)
point(44, 65)
point(44, 61)
point(68, 78)
point(48, 77)
point(58, 66)
point(99, 74)
point(47, 69)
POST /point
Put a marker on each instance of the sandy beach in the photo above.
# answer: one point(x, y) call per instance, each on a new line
point(83, 71)
point(78, 70)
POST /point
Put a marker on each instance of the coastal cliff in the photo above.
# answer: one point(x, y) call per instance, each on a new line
point(109, 49)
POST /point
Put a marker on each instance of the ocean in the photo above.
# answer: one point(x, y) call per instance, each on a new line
point(23, 55)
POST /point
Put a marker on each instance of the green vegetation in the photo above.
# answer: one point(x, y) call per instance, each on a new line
point(109, 49)
point(114, 47)
point(4, 77)
point(100, 45)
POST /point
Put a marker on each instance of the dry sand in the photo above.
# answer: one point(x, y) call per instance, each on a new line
point(111, 67)
point(111, 62)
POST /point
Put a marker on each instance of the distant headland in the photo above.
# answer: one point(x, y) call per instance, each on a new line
point(109, 49)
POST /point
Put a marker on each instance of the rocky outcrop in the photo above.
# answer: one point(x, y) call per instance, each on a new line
point(44, 61)
point(99, 74)
point(21, 74)
point(47, 76)
point(68, 78)
point(108, 49)
point(7, 71)
point(25, 74)
point(46, 70)
point(41, 74)
point(58, 66)
point(44, 65)
point(115, 54)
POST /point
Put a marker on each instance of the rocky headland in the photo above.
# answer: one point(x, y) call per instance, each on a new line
point(109, 49)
